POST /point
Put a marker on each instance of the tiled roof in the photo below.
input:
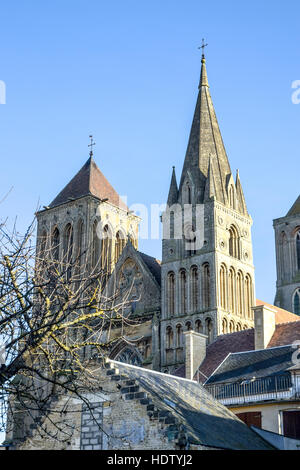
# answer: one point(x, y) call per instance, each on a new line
point(281, 315)
point(221, 347)
point(89, 181)
point(247, 365)
point(153, 265)
point(205, 420)
point(216, 352)
point(285, 333)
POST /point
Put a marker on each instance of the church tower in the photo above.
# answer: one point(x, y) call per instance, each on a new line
point(88, 221)
point(207, 262)
point(287, 241)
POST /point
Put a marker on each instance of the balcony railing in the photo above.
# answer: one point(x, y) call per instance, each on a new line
point(279, 387)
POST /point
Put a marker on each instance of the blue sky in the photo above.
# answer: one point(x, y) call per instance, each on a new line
point(127, 72)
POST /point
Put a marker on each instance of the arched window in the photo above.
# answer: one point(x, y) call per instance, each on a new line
point(119, 245)
point(298, 249)
point(234, 242)
point(79, 260)
point(43, 245)
point(296, 302)
point(55, 242)
point(171, 293)
point(179, 336)
point(169, 337)
point(206, 286)
point(209, 329)
point(198, 326)
point(248, 289)
point(238, 327)
point(239, 293)
point(231, 327)
point(183, 291)
point(172, 224)
point(95, 245)
point(231, 290)
point(283, 248)
point(194, 289)
point(188, 326)
point(106, 250)
point(68, 250)
point(224, 326)
point(223, 287)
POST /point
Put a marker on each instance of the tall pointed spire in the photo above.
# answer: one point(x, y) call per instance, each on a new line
point(205, 140)
point(173, 191)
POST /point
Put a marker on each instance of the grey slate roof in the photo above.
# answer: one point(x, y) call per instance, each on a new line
point(247, 365)
point(206, 421)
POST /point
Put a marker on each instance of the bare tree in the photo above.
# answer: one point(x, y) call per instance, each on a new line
point(55, 323)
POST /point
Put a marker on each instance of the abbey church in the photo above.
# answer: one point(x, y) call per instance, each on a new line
point(207, 287)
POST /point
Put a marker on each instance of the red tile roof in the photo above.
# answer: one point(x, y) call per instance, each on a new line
point(287, 331)
point(89, 181)
point(281, 315)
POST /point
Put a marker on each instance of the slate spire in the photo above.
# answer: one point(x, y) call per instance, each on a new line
point(206, 142)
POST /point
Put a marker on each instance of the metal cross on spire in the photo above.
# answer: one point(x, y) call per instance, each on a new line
point(203, 47)
point(91, 145)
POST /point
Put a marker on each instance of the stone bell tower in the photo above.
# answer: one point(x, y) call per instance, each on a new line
point(207, 261)
point(88, 204)
point(287, 241)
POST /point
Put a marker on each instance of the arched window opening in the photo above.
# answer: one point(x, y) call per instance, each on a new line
point(223, 287)
point(234, 242)
point(171, 294)
point(284, 257)
point(231, 327)
point(198, 326)
point(248, 289)
point(68, 250)
point(106, 250)
point(188, 326)
point(209, 329)
point(183, 291)
point(55, 242)
point(179, 336)
point(43, 245)
point(79, 260)
point(206, 286)
point(298, 249)
point(169, 337)
point(297, 302)
point(231, 290)
point(119, 245)
point(95, 245)
point(194, 289)
point(239, 293)
point(172, 224)
point(224, 326)
point(238, 327)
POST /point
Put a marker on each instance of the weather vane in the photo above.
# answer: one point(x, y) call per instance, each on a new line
point(91, 145)
point(203, 47)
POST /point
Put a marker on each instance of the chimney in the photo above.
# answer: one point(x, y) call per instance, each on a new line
point(264, 325)
point(195, 352)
